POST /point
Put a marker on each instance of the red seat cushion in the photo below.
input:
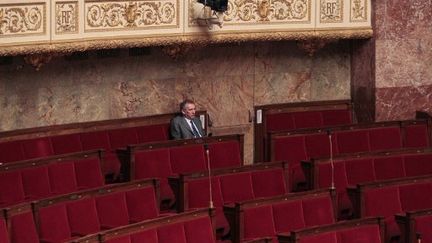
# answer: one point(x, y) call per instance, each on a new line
point(353, 141)
point(198, 193)
point(148, 236)
point(88, 173)
point(383, 202)
point(186, 159)
point(37, 148)
point(336, 117)
point(416, 136)
point(141, 204)
point(11, 151)
point(388, 168)
point(112, 210)
point(279, 122)
point(62, 177)
point(416, 196)
point(307, 119)
point(330, 237)
point(83, 217)
point(199, 230)
point(66, 144)
point(36, 182)
point(359, 170)
point(95, 140)
point(288, 216)
point(23, 229)
point(173, 233)
point(418, 164)
point(53, 223)
point(236, 187)
point(152, 133)
point(423, 225)
point(263, 187)
point(385, 138)
point(318, 211)
point(361, 234)
point(258, 222)
point(4, 235)
point(12, 188)
point(120, 138)
point(225, 154)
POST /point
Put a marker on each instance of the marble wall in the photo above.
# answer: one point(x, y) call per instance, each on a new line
point(226, 80)
point(403, 58)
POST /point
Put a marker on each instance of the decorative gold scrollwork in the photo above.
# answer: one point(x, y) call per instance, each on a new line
point(20, 20)
point(132, 14)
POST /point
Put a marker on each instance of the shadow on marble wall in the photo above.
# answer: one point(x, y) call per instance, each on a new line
point(226, 80)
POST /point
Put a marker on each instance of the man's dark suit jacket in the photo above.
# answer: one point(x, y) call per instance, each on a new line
point(179, 128)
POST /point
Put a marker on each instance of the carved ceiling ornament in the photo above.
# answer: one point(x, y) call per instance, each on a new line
point(66, 17)
point(22, 19)
point(38, 60)
point(313, 45)
point(358, 10)
point(137, 14)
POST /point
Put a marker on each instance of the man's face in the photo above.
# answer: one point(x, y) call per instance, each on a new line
point(189, 111)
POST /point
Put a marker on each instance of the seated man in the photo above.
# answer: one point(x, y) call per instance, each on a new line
point(186, 125)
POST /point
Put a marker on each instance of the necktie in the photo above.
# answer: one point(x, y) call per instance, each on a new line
point(194, 130)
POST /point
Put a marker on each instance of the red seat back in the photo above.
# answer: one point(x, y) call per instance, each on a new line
point(185, 159)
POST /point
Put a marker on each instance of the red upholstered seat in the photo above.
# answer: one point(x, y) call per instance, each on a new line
point(199, 231)
point(418, 165)
point(361, 234)
point(263, 186)
point(318, 211)
point(53, 223)
point(288, 216)
point(148, 236)
point(95, 140)
point(385, 138)
point(423, 226)
point(388, 168)
point(155, 164)
point(307, 119)
point(236, 187)
point(23, 228)
point(12, 189)
point(152, 133)
point(318, 145)
point(359, 170)
point(62, 178)
point(120, 138)
point(383, 202)
point(88, 173)
point(279, 122)
point(185, 159)
point(83, 217)
point(415, 196)
point(224, 154)
point(329, 237)
point(199, 193)
point(4, 235)
point(353, 141)
point(112, 210)
point(11, 151)
point(36, 183)
point(66, 143)
point(37, 148)
point(141, 204)
point(258, 222)
point(336, 117)
point(174, 233)
point(416, 136)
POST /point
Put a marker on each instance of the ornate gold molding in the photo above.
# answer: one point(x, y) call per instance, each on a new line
point(22, 19)
point(85, 45)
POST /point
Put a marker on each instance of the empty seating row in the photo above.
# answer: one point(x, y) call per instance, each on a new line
point(39, 178)
point(391, 197)
point(169, 158)
point(312, 143)
point(416, 225)
point(229, 186)
point(291, 116)
point(270, 216)
point(190, 227)
point(108, 135)
point(369, 230)
point(368, 167)
point(78, 214)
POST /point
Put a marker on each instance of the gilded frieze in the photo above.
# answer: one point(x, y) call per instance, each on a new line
point(264, 12)
point(22, 19)
point(66, 14)
point(331, 11)
point(127, 15)
point(359, 10)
